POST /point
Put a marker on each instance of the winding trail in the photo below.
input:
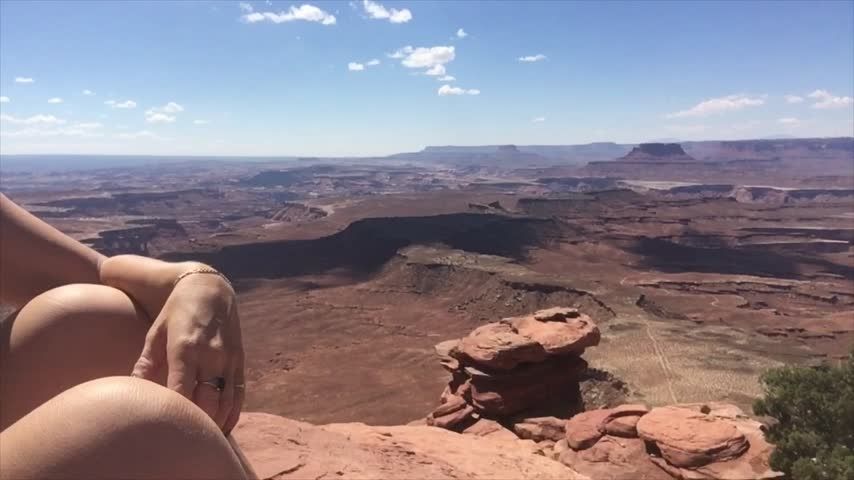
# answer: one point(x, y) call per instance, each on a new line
point(667, 370)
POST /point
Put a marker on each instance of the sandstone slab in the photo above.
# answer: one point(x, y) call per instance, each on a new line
point(499, 346)
point(689, 438)
point(559, 330)
point(280, 448)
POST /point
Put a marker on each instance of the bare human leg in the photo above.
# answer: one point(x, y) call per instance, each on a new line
point(64, 337)
point(117, 427)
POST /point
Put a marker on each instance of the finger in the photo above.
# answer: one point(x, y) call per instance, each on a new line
point(226, 398)
point(207, 396)
point(239, 395)
point(153, 354)
point(183, 370)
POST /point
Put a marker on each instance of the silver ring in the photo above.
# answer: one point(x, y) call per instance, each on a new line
point(217, 383)
point(240, 385)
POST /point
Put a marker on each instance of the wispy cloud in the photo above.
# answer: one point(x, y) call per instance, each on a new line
point(164, 114)
point(393, 15)
point(24, 80)
point(825, 99)
point(358, 67)
point(462, 33)
point(123, 105)
point(532, 58)
point(789, 121)
point(793, 99)
point(54, 100)
point(305, 12)
point(88, 93)
point(38, 119)
point(719, 105)
point(447, 78)
point(4, 100)
point(538, 119)
point(435, 70)
point(446, 90)
point(159, 118)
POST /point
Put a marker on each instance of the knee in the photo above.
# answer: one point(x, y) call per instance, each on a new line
point(132, 428)
point(132, 404)
point(81, 303)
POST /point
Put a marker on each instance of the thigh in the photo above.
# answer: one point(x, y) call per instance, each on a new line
point(117, 427)
point(62, 338)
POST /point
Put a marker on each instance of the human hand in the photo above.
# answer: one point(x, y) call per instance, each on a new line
point(196, 339)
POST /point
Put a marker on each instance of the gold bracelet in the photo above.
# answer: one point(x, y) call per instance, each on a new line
point(204, 269)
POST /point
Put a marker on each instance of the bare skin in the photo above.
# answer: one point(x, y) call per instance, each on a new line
point(86, 317)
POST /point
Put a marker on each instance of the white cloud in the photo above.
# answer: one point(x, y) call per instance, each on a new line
point(446, 90)
point(89, 125)
point(126, 104)
point(375, 10)
point(532, 58)
point(538, 119)
point(55, 100)
point(305, 12)
point(436, 70)
point(788, 121)
point(164, 114)
point(447, 78)
point(358, 67)
point(88, 93)
point(4, 100)
point(825, 99)
point(245, 7)
point(39, 119)
point(794, 99)
point(424, 57)
point(462, 33)
point(401, 52)
point(200, 122)
point(170, 107)
point(159, 118)
point(718, 105)
point(24, 80)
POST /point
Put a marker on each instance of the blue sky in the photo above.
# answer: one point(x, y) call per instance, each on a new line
point(295, 78)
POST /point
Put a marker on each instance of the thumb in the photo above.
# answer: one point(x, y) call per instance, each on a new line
point(153, 355)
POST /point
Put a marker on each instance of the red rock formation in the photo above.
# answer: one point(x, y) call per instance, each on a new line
point(510, 366)
point(503, 371)
point(681, 441)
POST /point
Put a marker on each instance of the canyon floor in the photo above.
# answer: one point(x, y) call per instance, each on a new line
point(349, 275)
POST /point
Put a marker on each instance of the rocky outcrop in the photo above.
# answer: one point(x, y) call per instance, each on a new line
point(677, 441)
point(280, 448)
point(502, 373)
point(517, 364)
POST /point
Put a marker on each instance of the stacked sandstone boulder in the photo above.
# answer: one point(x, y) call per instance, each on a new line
point(503, 373)
point(518, 364)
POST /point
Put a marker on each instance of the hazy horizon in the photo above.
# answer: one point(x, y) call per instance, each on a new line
point(274, 78)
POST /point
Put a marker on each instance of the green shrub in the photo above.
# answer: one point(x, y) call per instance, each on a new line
point(814, 409)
